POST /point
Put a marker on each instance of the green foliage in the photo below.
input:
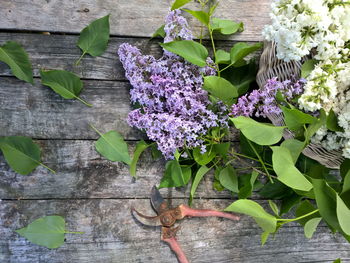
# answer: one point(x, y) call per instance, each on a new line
point(222, 57)
point(226, 27)
point(17, 59)
point(205, 158)
point(175, 175)
point(287, 173)
point(260, 133)
point(190, 50)
point(332, 122)
point(112, 146)
point(220, 88)
point(141, 146)
point(201, 16)
point(159, 32)
point(196, 180)
point(228, 178)
point(304, 208)
point(311, 225)
point(94, 38)
point(274, 207)
point(179, 3)
point(343, 214)
point(308, 67)
point(47, 231)
point(64, 83)
point(21, 153)
point(248, 207)
point(246, 184)
point(241, 50)
point(295, 119)
point(295, 148)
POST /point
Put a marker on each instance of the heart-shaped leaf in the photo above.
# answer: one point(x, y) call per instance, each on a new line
point(228, 178)
point(198, 177)
point(94, 38)
point(204, 158)
point(220, 88)
point(47, 231)
point(178, 3)
point(141, 146)
point(226, 27)
point(311, 225)
point(175, 175)
point(202, 16)
point(248, 207)
point(190, 50)
point(21, 153)
point(222, 57)
point(287, 173)
point(260, 133)
point(17, 59)
point(112, 146)
point(241, 50)
point(295, 118)
point(64, 83)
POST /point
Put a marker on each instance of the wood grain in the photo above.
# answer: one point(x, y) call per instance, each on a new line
point(61, 52)
point(113, 235)
point(128, 17)
point(83, 173)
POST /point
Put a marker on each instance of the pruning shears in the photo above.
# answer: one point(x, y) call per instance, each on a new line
point(167, 217)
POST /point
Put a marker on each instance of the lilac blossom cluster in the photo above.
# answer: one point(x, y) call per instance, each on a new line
point(261, 103)
point(174, 108)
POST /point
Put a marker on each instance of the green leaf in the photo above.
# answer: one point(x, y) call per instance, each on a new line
point(338, 260)
point(226, 27)
point(198, 177)
point(178, 3)
point(190, 50)
point(94, 38)
point(248, 207)
point(222, 57)
point(222, 148)
point(289, 202)
point(260, 133)
point(112, 146)
point(264, 236)
point(202, 16)
point(141, 146)
point(241, 50)
point(220, 88)
point(295, 147)
point(175, 175)
point(204, 158)
point(17, 59)
point(308, 67)
point(64, 83)
point(295, 118)
point(21, 153)
point(345, 168)
point(159, 32)
point(311, 225)
point(274, 207)
point(228, 178)
point(287, 173)
point(326, 202)
point(313, 127)
point(246, 185)
point(305, 207)
point(47, 231)
point(332, 122)
point(343, 214)
point(346, 183)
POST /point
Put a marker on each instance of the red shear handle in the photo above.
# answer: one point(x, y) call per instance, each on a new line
point(187, 211)
point(174, 245)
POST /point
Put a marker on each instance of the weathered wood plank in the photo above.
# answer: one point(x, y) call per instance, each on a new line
point(83, 173)
point(61, 52)
point(38, 112)
point(128, 17)
point(112, 235)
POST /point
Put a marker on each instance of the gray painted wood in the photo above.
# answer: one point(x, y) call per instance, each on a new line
point(112, 235)
point(83, 173)
point(38, 112)
point(61, 52)
point(128, 17)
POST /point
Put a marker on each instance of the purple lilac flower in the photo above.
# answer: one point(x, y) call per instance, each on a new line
point(174, 108)
point(261, 103)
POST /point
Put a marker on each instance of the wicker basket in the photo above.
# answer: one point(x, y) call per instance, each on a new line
point(270, 66)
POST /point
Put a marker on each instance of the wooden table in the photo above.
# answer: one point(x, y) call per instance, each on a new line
point(95, 195)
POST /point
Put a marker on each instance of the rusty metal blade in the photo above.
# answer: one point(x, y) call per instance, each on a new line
point(146, 220)
point(156, 199)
